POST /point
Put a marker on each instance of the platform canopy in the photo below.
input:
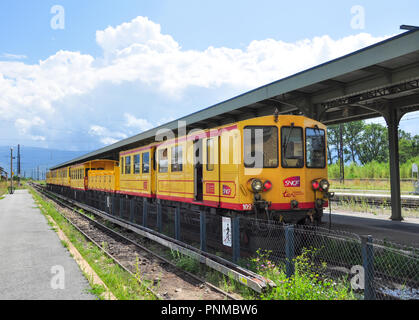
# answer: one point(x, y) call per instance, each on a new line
point(379, 80)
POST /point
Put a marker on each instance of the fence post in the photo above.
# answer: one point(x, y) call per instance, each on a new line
point(236, 238)
point(203, 231)
point(145, 208)
point(159, 217)
point(113, 206)
point(289, 250)
point(121, 206)
point(177, 223)
point(368, 264)
point(131, 210)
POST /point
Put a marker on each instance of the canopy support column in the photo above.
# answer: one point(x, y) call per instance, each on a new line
point(392, 117)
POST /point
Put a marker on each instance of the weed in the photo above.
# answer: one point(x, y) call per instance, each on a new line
point(184, 262)
point(306, 283)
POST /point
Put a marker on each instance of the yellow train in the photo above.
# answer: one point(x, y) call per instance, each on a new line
point(272, 166)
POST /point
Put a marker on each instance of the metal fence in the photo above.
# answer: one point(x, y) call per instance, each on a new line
point(375, 269)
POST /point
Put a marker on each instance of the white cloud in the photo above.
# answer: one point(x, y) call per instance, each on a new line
point(138, 52)
point(26, 127)
point(137, 123)
point(13, 56)
point(105, 135)
point(137, 35)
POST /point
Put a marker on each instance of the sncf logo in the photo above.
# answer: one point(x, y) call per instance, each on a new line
point(292, 182)
point(226, 190)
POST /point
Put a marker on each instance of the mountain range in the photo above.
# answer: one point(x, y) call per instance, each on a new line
point(35, 161)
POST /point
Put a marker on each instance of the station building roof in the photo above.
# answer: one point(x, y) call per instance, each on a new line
point(349, 88)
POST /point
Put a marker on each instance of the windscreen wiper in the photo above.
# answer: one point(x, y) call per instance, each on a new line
point(285, 147)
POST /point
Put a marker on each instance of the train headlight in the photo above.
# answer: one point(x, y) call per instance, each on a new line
point(257, 185)
point(324, 184)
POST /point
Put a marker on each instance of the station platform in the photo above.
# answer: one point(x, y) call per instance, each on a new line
point(34, 265)
point(404, 232)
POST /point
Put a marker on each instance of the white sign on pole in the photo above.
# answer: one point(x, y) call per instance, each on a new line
point(227, 231)
point(414, 168)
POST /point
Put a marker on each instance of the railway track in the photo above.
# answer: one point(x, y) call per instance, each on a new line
point(407, 201)
point(160, 276)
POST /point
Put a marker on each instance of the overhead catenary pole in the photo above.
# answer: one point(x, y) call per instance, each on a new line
point(11, 170)
point(18, 164)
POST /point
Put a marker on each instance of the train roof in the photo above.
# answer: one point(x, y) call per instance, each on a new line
point(337, 91)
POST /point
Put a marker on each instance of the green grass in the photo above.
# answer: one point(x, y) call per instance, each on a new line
point(123, 285)
point(372, 170)
point(186, 263)
point(358, 184)
point(3, 189)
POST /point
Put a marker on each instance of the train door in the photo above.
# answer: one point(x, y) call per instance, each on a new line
point(211, 171)
point(198, 174)
point(86, 178)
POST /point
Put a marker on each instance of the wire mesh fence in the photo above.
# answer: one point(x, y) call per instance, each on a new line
point(374, 269)
point(396, 270)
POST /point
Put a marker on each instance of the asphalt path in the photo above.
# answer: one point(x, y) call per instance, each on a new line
point(34, 265)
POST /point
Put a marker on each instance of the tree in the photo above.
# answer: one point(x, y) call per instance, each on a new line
point(373, 144)
point(408, 146)
point(332, 142)
point(352, 132)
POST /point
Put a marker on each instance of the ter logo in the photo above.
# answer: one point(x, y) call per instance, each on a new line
point(226, 190)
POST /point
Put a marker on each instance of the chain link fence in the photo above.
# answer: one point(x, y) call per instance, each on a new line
point(375, 269)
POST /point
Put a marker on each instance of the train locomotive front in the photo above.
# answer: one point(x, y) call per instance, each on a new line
point(283, 175)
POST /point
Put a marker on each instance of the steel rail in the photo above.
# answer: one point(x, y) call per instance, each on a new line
point(89, 237)
point(242, 275)
point(375, 199)
point(101, 226)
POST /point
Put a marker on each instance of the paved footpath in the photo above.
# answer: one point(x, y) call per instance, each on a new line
point(33, 263)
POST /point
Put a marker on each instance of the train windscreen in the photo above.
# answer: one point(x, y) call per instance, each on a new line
point(292, 147)
point(315, 148)
point(261, 147)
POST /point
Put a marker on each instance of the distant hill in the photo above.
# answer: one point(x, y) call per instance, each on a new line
point(32, 157)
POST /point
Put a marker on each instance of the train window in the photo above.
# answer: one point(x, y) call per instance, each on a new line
point(122, 165)
point(128, 165)
point(136, 164)
point(210, 154)
point(177, 163)
point(315, 148)
point(261, 147)
point(163, 160)
point(292, 147)
point(146, 162)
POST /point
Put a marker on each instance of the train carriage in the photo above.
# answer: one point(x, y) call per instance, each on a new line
point(136, 172)
point(272, 166)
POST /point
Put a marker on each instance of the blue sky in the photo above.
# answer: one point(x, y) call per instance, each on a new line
point(120, 67)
